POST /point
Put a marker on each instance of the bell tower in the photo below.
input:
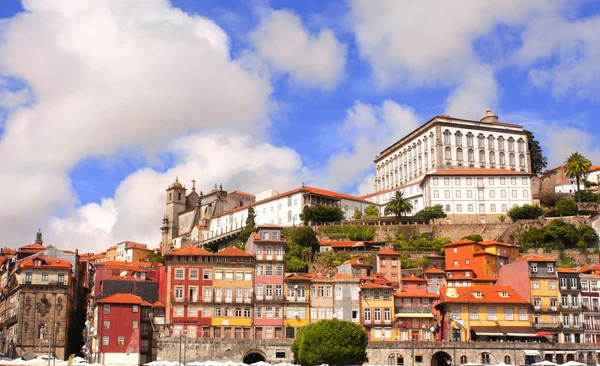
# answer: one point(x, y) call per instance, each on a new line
point(175, 205)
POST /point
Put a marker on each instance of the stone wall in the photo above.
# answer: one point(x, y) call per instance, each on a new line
point(514, 231)
point(275, 351)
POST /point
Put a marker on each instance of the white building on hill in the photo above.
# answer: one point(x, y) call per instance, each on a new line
point(477, 170)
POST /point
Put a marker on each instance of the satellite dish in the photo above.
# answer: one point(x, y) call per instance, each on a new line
point(296, 286)
point(123, 274)
point(432, 329)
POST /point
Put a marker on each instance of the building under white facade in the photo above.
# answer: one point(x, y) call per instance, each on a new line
point(479, 161)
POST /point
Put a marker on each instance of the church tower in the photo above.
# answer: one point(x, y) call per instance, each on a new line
point(175, 205)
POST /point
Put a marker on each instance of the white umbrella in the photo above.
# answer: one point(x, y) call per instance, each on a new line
point(284, 364)
point(573, 363)
point(195, 363)
point(229, 363)
point(471, 364)
point(211, 363)
point(545, 363)
point(261, 363)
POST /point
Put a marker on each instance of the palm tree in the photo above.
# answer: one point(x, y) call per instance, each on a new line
point(398, 206)
point(577, 166)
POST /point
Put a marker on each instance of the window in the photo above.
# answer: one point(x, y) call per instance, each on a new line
point(513, 193)
point(446, 137)
point(486, 359)
point(106, 324)
point(447, 194)
point(44, 276)
point(551, 285)
point(105, 340)
point(179, 274)
point(436, 194)
point(523, 314)
point(534, 268)
point(491, 314)
point(458, 195)
point(458, 138)
point(482, 156)
point(61, 278)
point(134, 324)
point(473, 313)
point(135, 309)
point(178, 310)
point(471, 155)
point(207, 274)
point(179, 293)
point(106, 309)
point(120, 341)
point(509, 314)
point(535, 285)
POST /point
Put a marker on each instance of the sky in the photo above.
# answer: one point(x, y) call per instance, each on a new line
point(103, 103)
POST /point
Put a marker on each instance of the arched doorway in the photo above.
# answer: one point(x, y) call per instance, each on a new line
point(254, 356)
point(441, 359)
point(395, 359)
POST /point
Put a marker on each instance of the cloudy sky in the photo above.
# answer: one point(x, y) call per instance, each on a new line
point(104, 102)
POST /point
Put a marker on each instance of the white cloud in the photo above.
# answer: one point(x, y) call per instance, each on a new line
point(564, 55)
point(136, 210)
point(477, 92)
point(107, 76)
point(366, 131)
point(311, 60)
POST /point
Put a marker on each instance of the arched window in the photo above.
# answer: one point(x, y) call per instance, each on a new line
point(500, 143)
point(507, 359)
point(491, 142)
point(482, 156)
point(511, 159)
point(458, 138)
point(42, 331)
point(522, 160)
point(471, 156)
point(459, 154)
point(469, 139)
point(521, 143)
point(481, 141)
point(448, 153)
point(486, 358)
point(425, 156)
point(502, 161)
point(420, 147)
point(179, 196)
point(511, 144)
point(425, 141)
point(395, 359)
point(420, 163)
point(463, 360)
point(492, 157)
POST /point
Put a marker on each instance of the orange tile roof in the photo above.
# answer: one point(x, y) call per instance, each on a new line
point(535, 258)
point(122, 278)
point(8, 251)
point(158, 304)
point(146, 303)
point(46, 263)
point(491, 295)
point(243, 193)
point(589, 267)
point(295, 276)
point(389, 190)
point(357, 261)
point(415, 294)
point(342, 275)
point(315, 276)
point(342, 244)
point(413, 279)
point(481, 251)
point(232, 252)
point(190, 250)
point(122, 299)
point(374, 286)
point(30, 247)
point(435, 270)
point(387, 251)
point(567, 270)
point(493, 242)
point(459, 242)
point(475, 171)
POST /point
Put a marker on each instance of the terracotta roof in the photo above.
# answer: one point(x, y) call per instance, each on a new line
point(481, 251)
point(122, 299)
point(435, 270)
point(190, 250)
point(294, 276)
point(232, 252)
point(158, 304)
point(32, 246)
point(374, 286)
point(459, 242)
point(389, 190)
point(567, 270)
point(46, 263)
point(122, 278)
point(342, 244)
point(342, 275)
point(415, 294)
point(535, 258)
point(243, 193)
point(387, 251)
point(315, 276)
point(8, 251)
point(413, 279)
point(146, 303)
point(357, 261)
point(589, 268)
point(493, 242)
point(474, 172)
point(491, 295)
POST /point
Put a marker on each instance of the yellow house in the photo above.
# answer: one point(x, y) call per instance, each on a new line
point(377, 303)
point(233, 270)
point(297, 304)
point(484, 313)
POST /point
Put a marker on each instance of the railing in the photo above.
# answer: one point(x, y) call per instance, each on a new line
point(11, 320)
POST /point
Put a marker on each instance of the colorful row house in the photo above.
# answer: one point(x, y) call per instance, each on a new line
point(414, 311)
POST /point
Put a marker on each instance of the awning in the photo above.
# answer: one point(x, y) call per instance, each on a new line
point(531, 352)
point(414, 315)
point(487, 331)
point(504, 331)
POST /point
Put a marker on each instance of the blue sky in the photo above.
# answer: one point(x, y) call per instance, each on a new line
point(103, 104)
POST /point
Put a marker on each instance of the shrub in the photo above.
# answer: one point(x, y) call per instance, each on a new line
point(372, 211)
point(357, 215)
point(320, 214)
point(350, 232)
point(559, 235)
point(431, 213)
point(474, 237)
point(525, 212)
point(549, 199)
point(566, 208)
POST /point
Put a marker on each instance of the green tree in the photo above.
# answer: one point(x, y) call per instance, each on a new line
point(332, 342)
point(357, 215)
point(304, 237)
point(155, 257)
point(398, 206)
point(474, 237)
point(320, 214)
point(538, 160)
point(587, 235)
point(250, 226)
point(372, 211)
point(432, 212)
point(577, 166)
point(525, 212)
point(566, 208)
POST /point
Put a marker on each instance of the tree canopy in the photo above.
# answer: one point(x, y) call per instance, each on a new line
point(566, 208)
point(301, 242)
point(332, 342)
point(559, 235)
point(357, 215)
point(320, 214)
point(577, 166)
point(398, 206)
point(372, 211)
point(432, 212)
point(525, 212)
point(538, 160)
point(154, 257)
point(250, 226)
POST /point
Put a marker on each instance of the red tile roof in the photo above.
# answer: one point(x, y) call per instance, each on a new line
point(158, 304)
point(146, 303)
point(122, 278)
point(416, 294)
point(342, 244)
point(122, 299)
point(342, 275)
point(535, 258)
point(295, 276)
point(232, 252)
point(315, 276)
point(190, 250)
point(567, 270)
point(491, 295)
point(389, 190)
point(387, 251)
point(435, 270)
point(357, 261)
point(459, 242)
point(413, 279)
point(8, 251)
point(374, 286)
point(46, 263)
point(493, 242)
point(243, 193)
point(32, 247)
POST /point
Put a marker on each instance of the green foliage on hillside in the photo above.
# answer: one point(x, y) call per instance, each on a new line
point(333, 259)
point(525, 212)
point(566, 208)
point(331, 342)
point(474, 237)
point(250, 226)
point(372, 211)
point(432, 212)
point(350, 232)
point(301, 242)
point(408, 263)
point(321, 214)
point(423, 242)
point(559, 235)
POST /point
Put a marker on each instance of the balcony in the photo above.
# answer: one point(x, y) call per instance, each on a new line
point(12, 320)
point(207, 299)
